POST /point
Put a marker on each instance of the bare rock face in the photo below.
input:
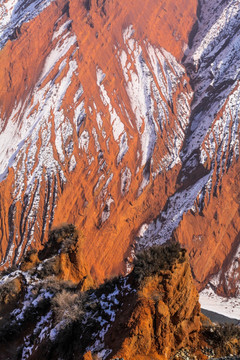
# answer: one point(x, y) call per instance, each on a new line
point(154, 312)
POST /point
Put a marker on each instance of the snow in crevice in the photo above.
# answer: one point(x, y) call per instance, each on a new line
point(42, 121)
point(72, 163)
point(84, 140)
point(107, 210)
point(58, 52)
point(222, 141)
point(95, 136)
point(151, 89)
point(109, 305)
point(79, 116)
point(215, 55)
point(47, 98)
point(13, 13)
point(99, 121)
point(160, 230)
point(214, 66)
point(138, 86)
point(123, 147)
point(116, 123)
point(118, 129)
point(126, 178)
point(78, 94)
point(217, 19)
point(61, 29)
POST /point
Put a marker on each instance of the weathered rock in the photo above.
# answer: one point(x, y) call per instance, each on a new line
point(164, 317)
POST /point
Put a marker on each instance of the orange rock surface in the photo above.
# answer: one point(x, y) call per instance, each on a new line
point(213, 235)
point(164, 316)
point(99, 39)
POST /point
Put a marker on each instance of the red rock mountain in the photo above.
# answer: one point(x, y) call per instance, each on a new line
point(122, 118)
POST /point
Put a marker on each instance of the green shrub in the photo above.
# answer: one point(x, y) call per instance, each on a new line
point(61, 238)
point(220, 334)
point(153, 260)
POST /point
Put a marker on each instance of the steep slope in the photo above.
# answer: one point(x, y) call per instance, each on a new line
point(216, 89)
point(208, 180)
point(96, 125)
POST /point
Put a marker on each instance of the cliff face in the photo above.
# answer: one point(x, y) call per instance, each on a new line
point(163, 317)
point(122, 118)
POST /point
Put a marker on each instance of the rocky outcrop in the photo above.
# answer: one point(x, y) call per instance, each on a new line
point(163, 316)
point(61, 256)
point(141, 315)
point(153, 312)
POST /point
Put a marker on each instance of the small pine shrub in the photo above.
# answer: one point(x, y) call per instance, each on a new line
point(9, 291)
point(61, 238)
point(55, 286)
point(151, 261)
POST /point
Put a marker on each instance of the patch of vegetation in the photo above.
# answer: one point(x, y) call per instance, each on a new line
point(60, 302)
point(8, 271)
point(62, 238)
point(153, 260)
point(221, 333)
point(9, 291)
point(68, 307)
point(220, 337)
